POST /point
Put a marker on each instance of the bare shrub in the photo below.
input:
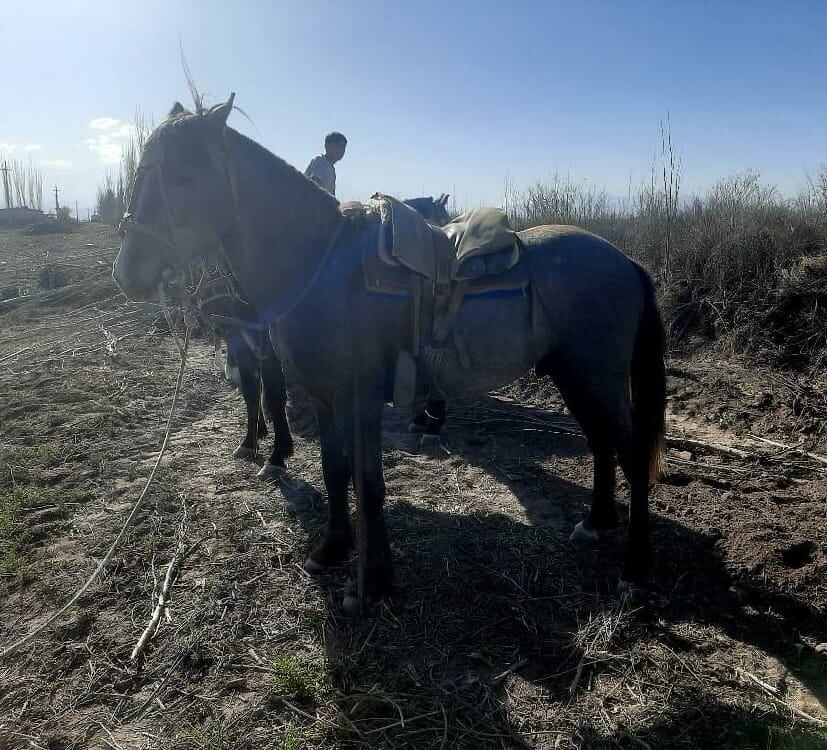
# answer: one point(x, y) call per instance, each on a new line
point(740, 264)
point(566, 200)
point(108, 204)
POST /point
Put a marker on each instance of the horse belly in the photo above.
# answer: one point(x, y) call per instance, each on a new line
point(499, 336)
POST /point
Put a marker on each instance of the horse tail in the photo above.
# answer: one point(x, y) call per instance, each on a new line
point(648, 382)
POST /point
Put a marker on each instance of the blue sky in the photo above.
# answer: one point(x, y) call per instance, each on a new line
point(433, 96)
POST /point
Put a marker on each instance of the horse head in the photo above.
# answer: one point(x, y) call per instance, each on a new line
point(432, 209)
point(181, 203)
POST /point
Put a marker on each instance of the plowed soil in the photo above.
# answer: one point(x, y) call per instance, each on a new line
point(501, 633)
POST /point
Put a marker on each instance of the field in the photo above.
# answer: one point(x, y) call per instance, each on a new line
point(502, 633)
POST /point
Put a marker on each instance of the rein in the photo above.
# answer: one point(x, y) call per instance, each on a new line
point(334, 238)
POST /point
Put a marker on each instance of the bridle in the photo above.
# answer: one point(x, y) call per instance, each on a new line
point(196, 286)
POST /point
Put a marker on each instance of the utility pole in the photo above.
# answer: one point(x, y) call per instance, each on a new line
point(57, 203)
point(5, 170)
point(77, 213)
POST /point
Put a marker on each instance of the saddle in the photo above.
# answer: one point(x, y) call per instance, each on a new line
point(437, 268)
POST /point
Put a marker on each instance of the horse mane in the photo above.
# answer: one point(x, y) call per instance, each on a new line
point(271, 165)
point(268, 166)
point(197, 97)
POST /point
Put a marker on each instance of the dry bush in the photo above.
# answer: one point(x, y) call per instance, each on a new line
point(740, 264)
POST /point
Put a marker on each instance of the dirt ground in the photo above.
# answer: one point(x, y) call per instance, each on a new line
point(501, 633)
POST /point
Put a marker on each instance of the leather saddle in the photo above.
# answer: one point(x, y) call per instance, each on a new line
point(476, 254)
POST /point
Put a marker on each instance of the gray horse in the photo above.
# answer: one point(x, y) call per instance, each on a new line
point(590, 321)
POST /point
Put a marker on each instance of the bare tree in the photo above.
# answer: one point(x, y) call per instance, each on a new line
point(113, 195)
point(25, 184)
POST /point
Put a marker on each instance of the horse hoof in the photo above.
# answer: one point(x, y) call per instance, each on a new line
point(271, 472)
point(244, 452)
point(351, 606)
point(583, 534)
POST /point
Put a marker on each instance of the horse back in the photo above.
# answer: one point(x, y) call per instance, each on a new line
point(591, 293)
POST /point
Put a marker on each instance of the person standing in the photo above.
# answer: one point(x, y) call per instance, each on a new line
point(321, 168)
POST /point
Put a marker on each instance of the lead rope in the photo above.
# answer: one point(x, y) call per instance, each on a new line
point(11, 648)
point(170, 322)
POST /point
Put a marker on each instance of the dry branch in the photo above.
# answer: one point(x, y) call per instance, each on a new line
point(771, 692)
point(160, 607)
point(793, 449)
point(683, 443)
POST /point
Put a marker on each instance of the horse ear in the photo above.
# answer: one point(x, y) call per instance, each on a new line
point(218, 115)
point(177, 109)
point(443, 199)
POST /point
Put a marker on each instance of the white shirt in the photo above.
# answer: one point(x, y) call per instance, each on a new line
point(323, 173)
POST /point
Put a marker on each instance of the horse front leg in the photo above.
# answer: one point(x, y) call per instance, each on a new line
point(247, 364)
point(338, 539)
point(374, 565)
point(275, 400)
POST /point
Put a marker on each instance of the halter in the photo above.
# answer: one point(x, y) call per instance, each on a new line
point(128, 223)
point(193, 290)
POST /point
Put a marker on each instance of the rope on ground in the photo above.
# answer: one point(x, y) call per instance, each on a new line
point(11, 648)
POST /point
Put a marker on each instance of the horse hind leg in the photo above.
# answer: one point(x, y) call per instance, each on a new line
point(634, 461)
point(633, 455)
point(599, 421)
point(603, 514)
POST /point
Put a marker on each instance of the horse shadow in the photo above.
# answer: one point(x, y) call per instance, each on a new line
point(482, 594)
point(693, 580)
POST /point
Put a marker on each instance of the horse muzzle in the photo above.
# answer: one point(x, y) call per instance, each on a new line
point(137, 272)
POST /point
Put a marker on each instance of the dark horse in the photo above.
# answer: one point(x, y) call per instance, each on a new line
point(590, 321)
point(260, 380)
point(253, 365)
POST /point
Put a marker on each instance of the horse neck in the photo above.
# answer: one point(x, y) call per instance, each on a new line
point(284, 224)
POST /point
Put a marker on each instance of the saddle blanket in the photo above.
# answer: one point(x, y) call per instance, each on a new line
point(476, 244)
